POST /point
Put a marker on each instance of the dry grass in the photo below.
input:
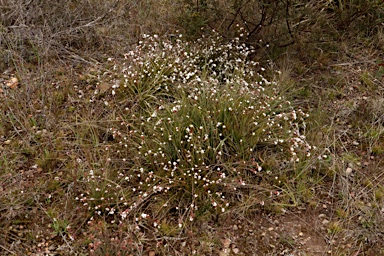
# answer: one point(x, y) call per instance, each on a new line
point(79, 165)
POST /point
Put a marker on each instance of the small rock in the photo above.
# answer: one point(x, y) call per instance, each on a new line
point(355, 143)
point(324, 206)
point(7, 142)
point(325, 222)
point(270, 229)
point(301, 234)
point(322, 216)
point(235, 227)
point(235, 250)
point(348, 171)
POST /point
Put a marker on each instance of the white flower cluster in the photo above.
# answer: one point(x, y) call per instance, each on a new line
point(205, 113)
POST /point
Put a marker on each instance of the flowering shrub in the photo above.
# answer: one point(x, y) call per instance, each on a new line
point(200, 115)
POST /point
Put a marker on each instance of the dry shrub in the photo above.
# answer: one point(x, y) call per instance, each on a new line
point(33, 29)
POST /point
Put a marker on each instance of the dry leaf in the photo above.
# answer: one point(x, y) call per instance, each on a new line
point(223, 253)
point(235, 250)
point(12, 83)
point(104, 87)
point(226, 243)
